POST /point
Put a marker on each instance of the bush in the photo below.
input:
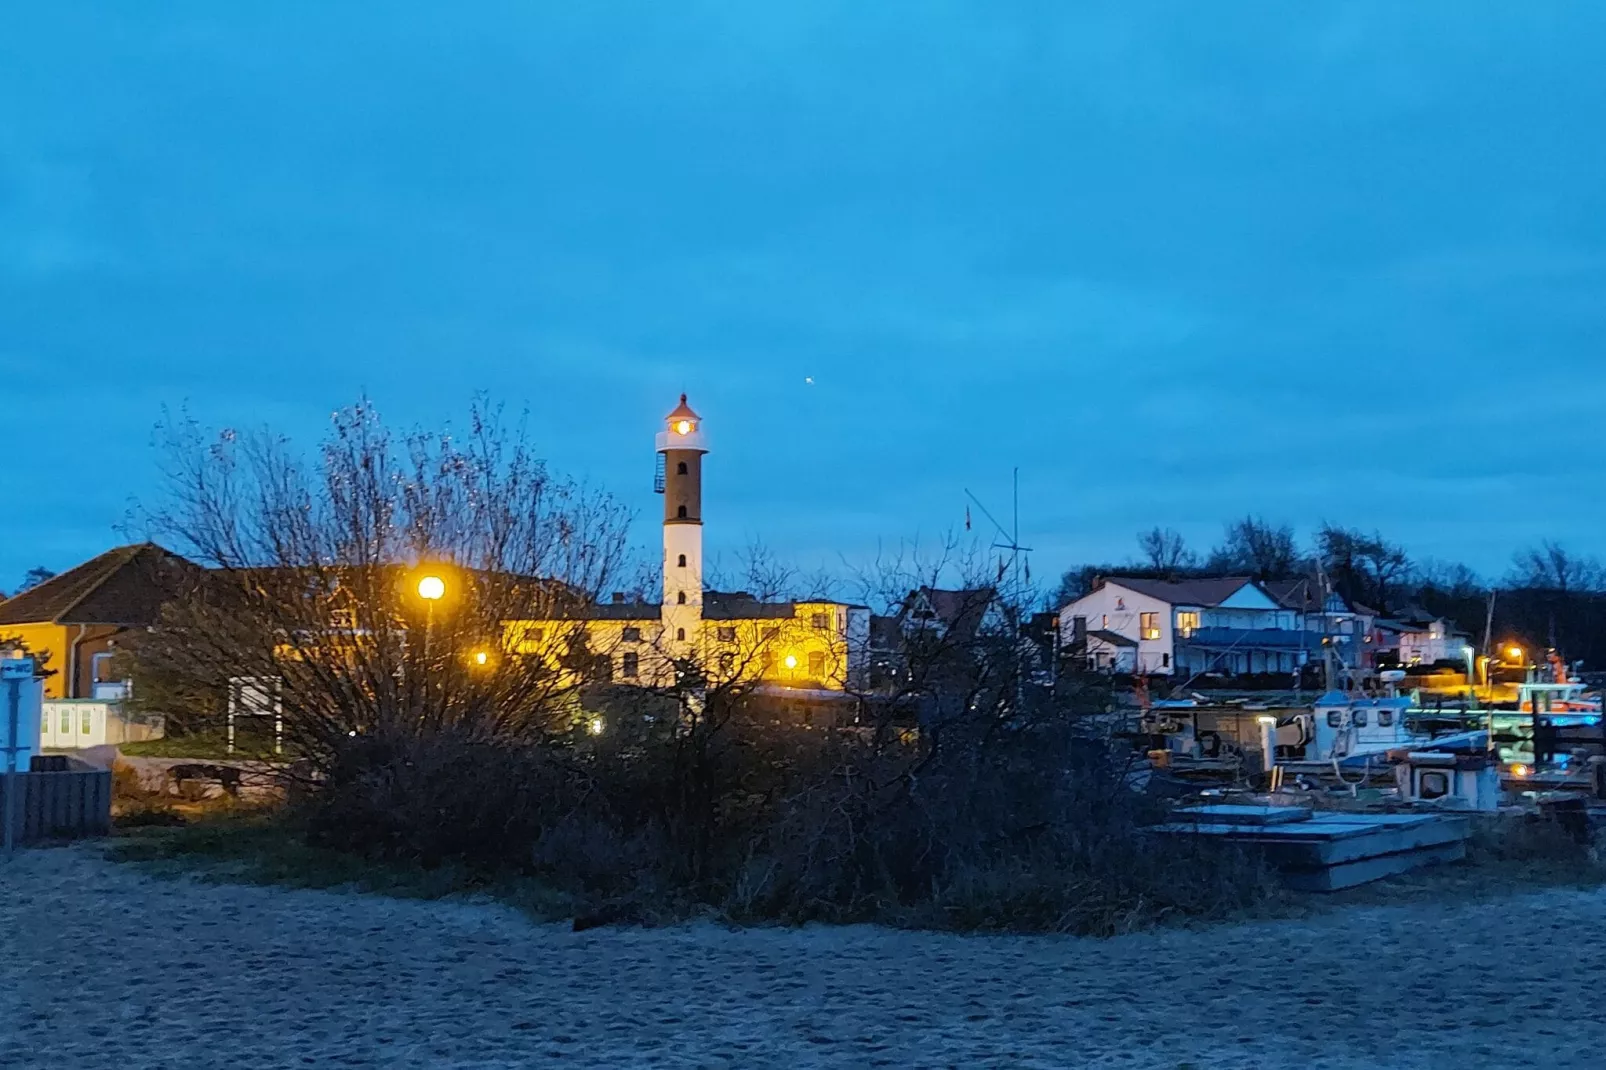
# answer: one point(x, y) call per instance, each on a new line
point(1037, 831)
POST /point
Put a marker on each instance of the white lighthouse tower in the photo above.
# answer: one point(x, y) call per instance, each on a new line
point(681, 447)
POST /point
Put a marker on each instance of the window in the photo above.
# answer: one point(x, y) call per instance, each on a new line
point(631, 635)
point(534, 635)
point(821, 621)
point(1148, 625)
point(1104, 621)
point(1187, 622)
point(83, 723)
point(680, 469)
point(1334, 719)
point(772, 633)
point(681, 512)
point(682, 561)
point(1385, 718)
point(629, 663)
point(680, 634)
point(603, 668)
point(1360, 718)
point(681, 598)
point(727, 635)
point(1433, 784)
point(817, 664)
point(1165, 661)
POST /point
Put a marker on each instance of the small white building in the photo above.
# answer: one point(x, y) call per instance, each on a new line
point(1427, 640)
point(1217, 624)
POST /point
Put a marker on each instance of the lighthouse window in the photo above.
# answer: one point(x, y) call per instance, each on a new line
point(681, 598)
point(680, 469)
point(681, 512)
point(682, 560)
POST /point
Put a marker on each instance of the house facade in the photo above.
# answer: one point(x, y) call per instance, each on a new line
point(1187, 627)
point(74, 623)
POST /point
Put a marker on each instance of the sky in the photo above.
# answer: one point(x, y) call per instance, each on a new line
point(1177, 261)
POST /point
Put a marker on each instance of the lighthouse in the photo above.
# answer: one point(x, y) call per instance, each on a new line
point(680, 448)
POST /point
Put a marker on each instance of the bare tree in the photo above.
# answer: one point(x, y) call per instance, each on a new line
point(1164, 549)
point(365, 591)
point(1258, 548)
point(1551, 566)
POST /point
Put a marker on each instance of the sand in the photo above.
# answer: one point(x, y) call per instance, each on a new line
point(102, 966)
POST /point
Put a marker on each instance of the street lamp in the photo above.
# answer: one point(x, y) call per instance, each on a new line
point(431, 589)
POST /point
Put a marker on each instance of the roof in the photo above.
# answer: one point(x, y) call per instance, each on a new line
point(739, 605)
point(682, 411)
point(1205, 591)
point(1113, 638)
point(609, 611)
point(124, 586)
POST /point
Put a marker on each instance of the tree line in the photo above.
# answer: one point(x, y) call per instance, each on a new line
point(1549, 597)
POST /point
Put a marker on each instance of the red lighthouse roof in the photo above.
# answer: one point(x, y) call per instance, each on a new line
point(682, 412)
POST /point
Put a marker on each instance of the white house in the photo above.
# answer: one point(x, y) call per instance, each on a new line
point(1227, 624)
point(1426, 639)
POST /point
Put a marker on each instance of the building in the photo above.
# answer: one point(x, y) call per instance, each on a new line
point(1425, 639)
point(1229, 625)
point(803, 652)
point(74, 623)
point(1349, 630)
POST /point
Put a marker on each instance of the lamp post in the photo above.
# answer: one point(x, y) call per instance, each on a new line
point(431, 589)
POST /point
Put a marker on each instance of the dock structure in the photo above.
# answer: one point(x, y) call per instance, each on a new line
point(1325, 851)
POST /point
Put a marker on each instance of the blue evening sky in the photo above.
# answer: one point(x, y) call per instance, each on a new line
point(1176, 260)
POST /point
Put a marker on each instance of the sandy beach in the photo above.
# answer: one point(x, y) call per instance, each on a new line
point(104, 967)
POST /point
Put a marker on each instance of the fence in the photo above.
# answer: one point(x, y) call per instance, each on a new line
point(54, 806)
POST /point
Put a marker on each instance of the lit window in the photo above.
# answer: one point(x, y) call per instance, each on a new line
point(1149, 625)
point(83, 723)
point(822, 621)
point(817, 664)
point(1187, 622)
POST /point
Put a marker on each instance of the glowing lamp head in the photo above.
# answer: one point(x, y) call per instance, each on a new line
point(596, 726)
point(1514, 653)
point(683, 427)
point(432, 588)
point(791, 661)
point(481, 657)
point(1520, 771)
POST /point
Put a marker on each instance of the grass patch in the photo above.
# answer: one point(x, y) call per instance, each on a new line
point(211, 746)
point(268, 848)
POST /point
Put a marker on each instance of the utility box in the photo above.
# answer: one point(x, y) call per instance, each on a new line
point(21, 700)
point(1454, 781)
